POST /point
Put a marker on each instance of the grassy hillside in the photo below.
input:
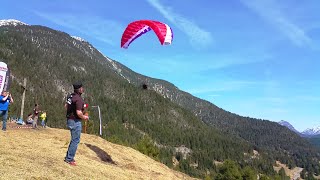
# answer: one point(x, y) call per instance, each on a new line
point(39, 154)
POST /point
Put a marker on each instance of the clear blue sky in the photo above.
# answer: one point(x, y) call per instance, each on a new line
point(257, 58)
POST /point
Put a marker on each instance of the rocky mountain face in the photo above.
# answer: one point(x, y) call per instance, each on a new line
point(306, 133)
point(311, 131)
point(288, 125)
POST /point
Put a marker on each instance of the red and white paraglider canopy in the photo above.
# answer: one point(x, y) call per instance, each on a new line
point(137, 28)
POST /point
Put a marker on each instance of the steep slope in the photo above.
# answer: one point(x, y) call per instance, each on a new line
point(288, 125)
point(265, 135)
point(39, 154)
point(315, 140)
point(52, 60)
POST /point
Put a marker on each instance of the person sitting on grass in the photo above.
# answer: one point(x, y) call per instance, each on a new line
point(29, 119)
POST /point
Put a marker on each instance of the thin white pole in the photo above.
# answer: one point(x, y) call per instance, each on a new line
point(99, 119)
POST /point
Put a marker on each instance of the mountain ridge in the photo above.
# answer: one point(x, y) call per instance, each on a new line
point(13, 22)
point(309, 132)
point(48, 49)
point(288, 125)
point(51, 60)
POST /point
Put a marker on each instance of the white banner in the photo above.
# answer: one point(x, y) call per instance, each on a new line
point(3, 75)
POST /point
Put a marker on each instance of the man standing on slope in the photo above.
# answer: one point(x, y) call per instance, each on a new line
point(5, 100)
point(75, 108)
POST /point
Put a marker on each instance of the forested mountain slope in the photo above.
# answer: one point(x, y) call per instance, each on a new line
point(52, 60)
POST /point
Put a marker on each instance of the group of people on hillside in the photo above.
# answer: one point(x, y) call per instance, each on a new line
point(34, 116)
point(75, 114)
point(6, 99)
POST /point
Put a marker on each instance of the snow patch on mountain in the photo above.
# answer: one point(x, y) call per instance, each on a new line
point(288, 125)
point(78, 38)
point(312, 131)
point(306, 133)
point(11, 22)
point(115, 67)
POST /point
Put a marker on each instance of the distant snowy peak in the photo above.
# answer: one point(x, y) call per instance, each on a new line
point(284, 123)
point(78, 38)
point(288, 125)
point(306, 133)
point(11, 22)
point(312, 131)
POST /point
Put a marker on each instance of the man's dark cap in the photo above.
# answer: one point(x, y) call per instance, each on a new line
point(77, 85)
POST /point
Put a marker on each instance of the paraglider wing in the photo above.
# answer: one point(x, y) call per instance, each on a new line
point(138, 28)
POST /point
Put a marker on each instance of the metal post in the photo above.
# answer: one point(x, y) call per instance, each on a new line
point(99, 119)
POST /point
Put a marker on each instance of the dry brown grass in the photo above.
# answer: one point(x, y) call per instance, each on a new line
point(39, 154)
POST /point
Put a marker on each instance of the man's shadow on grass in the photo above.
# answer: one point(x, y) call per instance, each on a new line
point(104, 156)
